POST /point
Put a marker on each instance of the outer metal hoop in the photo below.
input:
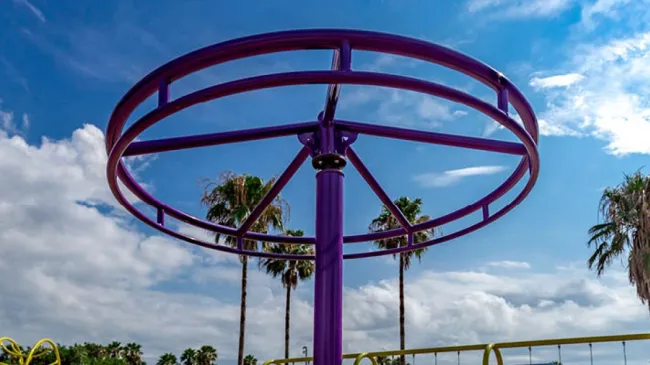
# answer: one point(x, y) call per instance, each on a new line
point(344, 41)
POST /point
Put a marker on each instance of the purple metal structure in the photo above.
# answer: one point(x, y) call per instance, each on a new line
point(328, 142)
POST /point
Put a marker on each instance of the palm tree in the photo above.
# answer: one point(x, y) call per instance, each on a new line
point(133, 353)
point(207, 355)
point(412, 210)
point(167, 359)
point(250, 360)
point(189, 357)
point(114, 349)
point(625, 230)
point(290, 272)
point(229, 202)
point(94, 350)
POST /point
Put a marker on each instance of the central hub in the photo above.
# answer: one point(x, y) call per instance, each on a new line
point(329, 161)
point(327, 145)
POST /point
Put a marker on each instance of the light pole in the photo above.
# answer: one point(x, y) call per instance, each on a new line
point(305, 352)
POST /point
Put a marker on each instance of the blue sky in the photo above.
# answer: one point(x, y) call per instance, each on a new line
point(64, 65)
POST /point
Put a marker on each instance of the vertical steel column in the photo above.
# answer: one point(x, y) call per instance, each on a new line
point(329, 159)
point(328, 292)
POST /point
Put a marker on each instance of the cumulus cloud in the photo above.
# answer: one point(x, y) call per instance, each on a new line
point(78, 273)
point(451, 177)
point(608, 101)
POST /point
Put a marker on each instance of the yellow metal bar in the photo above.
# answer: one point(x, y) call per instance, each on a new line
point(560, 341)
point(575, 340)
point(301, 359)
point(486, 348)
point(373, 355)
point(23, 359)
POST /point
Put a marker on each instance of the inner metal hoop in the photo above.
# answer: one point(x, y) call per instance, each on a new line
point(118, 144)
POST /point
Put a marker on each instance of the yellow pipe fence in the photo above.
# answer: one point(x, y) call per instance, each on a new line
point(487, 349)
point(25, 359)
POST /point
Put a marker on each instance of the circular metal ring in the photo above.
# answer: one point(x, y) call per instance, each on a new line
point(117, 143)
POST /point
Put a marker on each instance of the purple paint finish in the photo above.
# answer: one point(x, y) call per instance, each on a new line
point(163, 92)
point(328, 289)
point(160, 217)
point(327, 135)
point(379, 191)
point(119, 145)
point(280, 183)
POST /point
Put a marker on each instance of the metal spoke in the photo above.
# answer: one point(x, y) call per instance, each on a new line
point(341, 60)
point(274, 191)
point(213, 139)
point(374, 185)
point(483, 144)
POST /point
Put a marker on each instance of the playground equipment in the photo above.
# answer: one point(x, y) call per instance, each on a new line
point(488, 349)
point(15, 351)
point(328, 141)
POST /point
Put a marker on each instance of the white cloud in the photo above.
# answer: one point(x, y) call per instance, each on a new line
point(460, 113)
point(490, 127)
point(36, 11)
point(519, 8)
point(450, 177)
point(401, 108)
point(510, 264)
point(8, 122)
point(591, 11)
point(609, 102)
point(606, 8)
point(78, 274)
point(555, 81)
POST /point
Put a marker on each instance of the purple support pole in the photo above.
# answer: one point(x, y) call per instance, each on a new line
point(326, 141)
point(328, 292)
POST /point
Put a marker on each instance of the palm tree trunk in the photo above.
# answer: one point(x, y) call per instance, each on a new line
point(242, 314)
point(287, 317)
point(402, 332)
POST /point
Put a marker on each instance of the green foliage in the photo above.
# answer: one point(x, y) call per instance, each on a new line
point(412, 210)
point(231, 200)
point(624, 232)
point(290, 272)
point(167, 359)
point(115, 354)
point(250, 360)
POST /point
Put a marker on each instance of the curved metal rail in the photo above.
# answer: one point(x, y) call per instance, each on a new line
point(121, 143)
point(15, 351)
point(487, 348)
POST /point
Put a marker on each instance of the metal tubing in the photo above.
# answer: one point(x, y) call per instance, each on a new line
point(214, 139)
point(274, 191)
point(444, 139)
point(374, 185)
point(345, 41)
point(328, 291)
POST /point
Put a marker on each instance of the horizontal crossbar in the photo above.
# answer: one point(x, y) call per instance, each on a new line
point(214, 139)
point(483, 144)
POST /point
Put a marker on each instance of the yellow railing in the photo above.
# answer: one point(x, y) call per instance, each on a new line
point(25, 359)
point(486, 348)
